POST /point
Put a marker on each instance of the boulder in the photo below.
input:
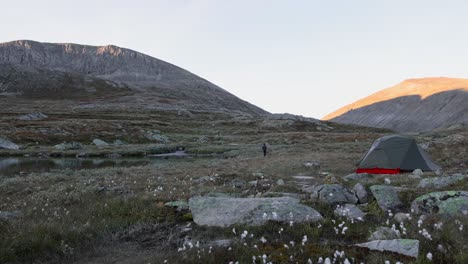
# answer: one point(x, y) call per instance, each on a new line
point(223, 211)
point(68, 146)
point(385, 233)
point(33, 116)
point(6, 144)
point(441, 182)
point(445, 203)
point(332, 194)
point(100, 143)
point(361, 193)
point(407, 247)
point(350, 211)
point(361, 177)
point(387, 196)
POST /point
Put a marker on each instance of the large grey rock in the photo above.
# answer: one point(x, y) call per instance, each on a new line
point(100, 143)
point(441, 182)
point(35, 116)
point(445, 203)
point(332, 194)
point(6, 144)
point(350, 211)
point(407, 247)
point(68, 146)
point(223, 211)
point(361, 193)
point(385, 233)
point(387, 196)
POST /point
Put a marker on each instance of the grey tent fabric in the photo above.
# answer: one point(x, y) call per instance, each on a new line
point(397, 152)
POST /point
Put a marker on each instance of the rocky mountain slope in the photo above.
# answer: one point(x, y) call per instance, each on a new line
point(51, 71)
point(413, 105)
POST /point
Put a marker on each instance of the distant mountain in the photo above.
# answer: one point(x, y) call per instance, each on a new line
point(30, 69)
point(413, 105)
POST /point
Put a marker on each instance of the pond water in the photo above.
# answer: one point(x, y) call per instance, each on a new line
point(21, 166)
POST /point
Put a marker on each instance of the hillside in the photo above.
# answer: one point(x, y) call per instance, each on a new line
point(413, 105)
point(51, 71)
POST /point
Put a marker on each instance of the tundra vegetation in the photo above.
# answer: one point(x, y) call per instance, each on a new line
point(142, 214)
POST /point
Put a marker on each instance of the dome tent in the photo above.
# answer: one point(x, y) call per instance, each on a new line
point(394, 154)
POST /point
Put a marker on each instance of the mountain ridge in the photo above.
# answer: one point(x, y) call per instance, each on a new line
point(416, 104)
point(149, 78)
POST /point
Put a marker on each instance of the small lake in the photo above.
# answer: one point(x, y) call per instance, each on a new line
point(13, 166)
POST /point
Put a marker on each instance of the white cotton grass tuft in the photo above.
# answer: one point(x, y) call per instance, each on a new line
point(429, 256)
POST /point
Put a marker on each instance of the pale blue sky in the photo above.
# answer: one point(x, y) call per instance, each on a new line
point(303, 57)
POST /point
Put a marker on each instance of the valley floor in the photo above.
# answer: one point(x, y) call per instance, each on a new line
point(120, 215)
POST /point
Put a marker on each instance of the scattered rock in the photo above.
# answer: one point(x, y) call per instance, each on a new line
point(237, 183)
point(118, 142)
point(100, 143)
point(361, 193)
point(401, 217)
point(219, 211)
point(441, 182)
point(156, 135)
point(6, 144)
point(418, 172)
point(349, 211)
point(35, 116)
point(312, 164)
point(387, 181)
point(9, 215)
point(221, 243)
point(332, 194)
point(387, 196)
point(445, 203)
point(407, 247)
point(263, 185)
point(385, 233)
point(68, 146)
point(180, 205)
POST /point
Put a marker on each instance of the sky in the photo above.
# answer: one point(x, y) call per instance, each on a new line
point(306, 57)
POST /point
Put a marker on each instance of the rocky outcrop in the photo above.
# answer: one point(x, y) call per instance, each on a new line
point(444, 203)
point(407, 247)
point(361, 193)
point(225, 211)
point(413, 105)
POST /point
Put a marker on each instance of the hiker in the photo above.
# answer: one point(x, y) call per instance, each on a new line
point(264, 148)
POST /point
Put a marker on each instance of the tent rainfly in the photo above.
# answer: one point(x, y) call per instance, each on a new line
point(393, 154)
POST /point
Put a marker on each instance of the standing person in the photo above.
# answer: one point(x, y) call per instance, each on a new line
point(264, 148)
